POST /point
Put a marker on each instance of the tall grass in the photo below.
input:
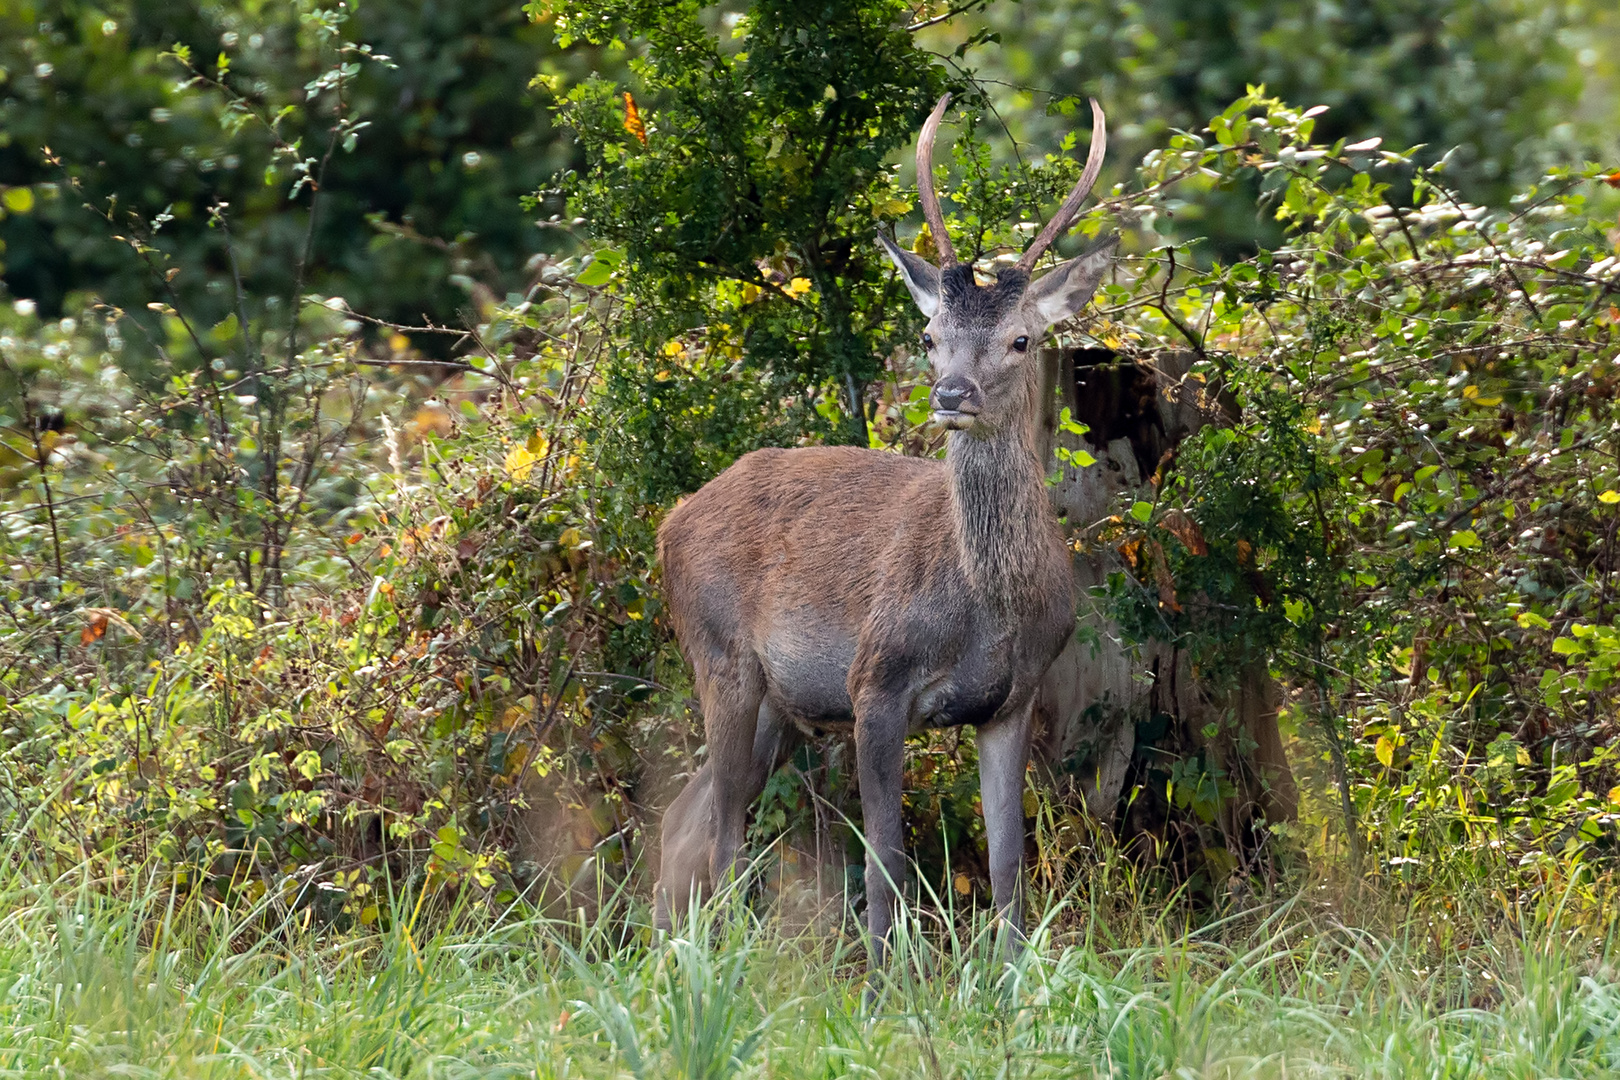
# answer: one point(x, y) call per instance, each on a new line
point(141, 981)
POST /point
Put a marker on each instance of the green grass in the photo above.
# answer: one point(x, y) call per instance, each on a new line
point(163, 987)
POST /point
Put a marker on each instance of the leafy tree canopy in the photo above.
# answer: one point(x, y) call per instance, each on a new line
point(452, 138)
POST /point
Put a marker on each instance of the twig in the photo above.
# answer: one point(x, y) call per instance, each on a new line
point(1164, 293)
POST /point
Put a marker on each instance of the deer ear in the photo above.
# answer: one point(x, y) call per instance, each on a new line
point(920, 275)
point(1064, 291)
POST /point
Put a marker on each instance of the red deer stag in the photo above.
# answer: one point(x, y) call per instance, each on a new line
point(827, 587)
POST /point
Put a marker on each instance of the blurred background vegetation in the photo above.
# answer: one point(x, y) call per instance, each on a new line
point(351, 353)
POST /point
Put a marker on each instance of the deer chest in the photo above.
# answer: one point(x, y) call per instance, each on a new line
point(987, 672)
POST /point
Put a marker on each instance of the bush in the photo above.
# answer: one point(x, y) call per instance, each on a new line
point(308, 605)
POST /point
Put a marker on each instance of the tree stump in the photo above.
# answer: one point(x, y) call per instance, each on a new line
point(1106, 698)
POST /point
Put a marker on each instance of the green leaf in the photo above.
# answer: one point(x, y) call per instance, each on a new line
point(1464, 538)
point(596, 274)
point(1066, 422)
point(1141, 511)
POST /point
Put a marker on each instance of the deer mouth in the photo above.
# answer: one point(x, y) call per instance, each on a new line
point(955, 419)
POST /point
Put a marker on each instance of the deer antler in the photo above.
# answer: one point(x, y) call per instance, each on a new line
point(1071, 206)
point(925, 184)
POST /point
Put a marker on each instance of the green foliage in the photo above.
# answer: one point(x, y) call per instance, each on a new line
point(1410, 516)
point(742, 182)
point(1514, 85)
point(422, 223)
point(239, 640)
point(291, 585)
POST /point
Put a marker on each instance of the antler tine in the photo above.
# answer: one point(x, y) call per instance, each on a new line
point(925, 184)
point(1071, 206)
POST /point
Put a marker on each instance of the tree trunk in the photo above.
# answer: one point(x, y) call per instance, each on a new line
point(1106, 697)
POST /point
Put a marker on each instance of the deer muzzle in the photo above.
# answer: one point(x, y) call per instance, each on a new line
point(956, 401)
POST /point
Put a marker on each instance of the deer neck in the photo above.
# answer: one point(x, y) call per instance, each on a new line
point(999, 512)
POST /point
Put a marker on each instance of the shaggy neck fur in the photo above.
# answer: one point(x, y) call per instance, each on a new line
point(999, 510)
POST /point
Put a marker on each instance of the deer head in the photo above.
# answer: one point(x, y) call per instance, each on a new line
point(978, 336)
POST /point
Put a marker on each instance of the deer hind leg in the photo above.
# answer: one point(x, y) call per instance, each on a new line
point(742, 764)
point(705, 826)
point(686, 840)
point(1003, 757)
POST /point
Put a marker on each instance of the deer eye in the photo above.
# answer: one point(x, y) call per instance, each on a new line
point(928, 341)
point(1020, 343)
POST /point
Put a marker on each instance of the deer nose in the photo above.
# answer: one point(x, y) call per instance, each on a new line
point(957, 394)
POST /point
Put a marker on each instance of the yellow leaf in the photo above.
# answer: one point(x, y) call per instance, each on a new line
point(537, 444)
point(1609, 497)
point(674, 348)
point(1385, 751)
point(1523, 757)
point(924, 242)
point(19, 200)
point(519, 462)
point(1614, 795)
point(798, 286)
point(398, 342)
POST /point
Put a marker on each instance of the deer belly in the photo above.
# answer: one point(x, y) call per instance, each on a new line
point(807, 675)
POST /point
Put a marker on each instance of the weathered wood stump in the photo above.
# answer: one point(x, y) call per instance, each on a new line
point(1103, 692)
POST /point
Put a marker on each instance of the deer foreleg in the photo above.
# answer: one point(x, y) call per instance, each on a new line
point(880, 746)
point(1003, 757)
